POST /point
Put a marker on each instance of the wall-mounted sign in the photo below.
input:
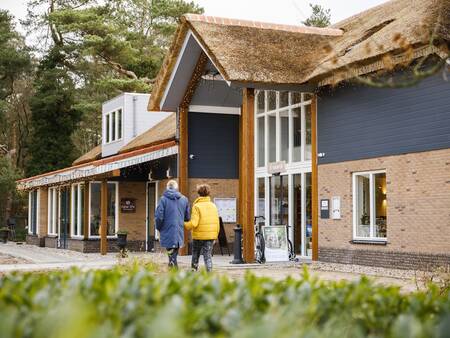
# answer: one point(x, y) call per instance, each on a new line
point(128, 205)
point(275, 240)
point(324, 208)
point(226, 208)
point(336, 207)
point(276, 167)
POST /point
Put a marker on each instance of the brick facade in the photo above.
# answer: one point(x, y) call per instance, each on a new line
point(418, 211)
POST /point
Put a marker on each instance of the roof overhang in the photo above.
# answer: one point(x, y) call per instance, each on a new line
point(99, 167)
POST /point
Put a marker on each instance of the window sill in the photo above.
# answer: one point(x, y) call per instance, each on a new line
point(369, 241)
point(52, 235)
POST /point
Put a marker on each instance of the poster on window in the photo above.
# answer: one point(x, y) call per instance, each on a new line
point(226, 208)
point(276, 246)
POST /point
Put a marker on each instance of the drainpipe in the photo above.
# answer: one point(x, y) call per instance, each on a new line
point(134, 116)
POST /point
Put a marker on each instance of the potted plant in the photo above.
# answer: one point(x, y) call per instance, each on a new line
point(4, 232)
point(122, 240)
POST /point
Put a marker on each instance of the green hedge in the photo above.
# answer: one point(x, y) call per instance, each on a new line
point(138, 302)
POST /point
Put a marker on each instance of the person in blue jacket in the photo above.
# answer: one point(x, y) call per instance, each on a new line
point(172, 211)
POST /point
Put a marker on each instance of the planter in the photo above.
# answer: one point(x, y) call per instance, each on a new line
point(122, 241)
point(4, 235)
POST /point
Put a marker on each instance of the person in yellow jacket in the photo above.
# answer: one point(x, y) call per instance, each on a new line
point(204, 224)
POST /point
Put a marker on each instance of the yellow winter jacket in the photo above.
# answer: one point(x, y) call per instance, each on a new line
point(204, 221)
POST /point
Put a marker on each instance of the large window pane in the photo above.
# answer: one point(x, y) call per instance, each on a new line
point(297, 193)
point(296, 97)
point(380, 205)
point(272, 137)
point(308, 136)
point(52, 210)
point(95, 209)
point(119, 124)
point(260, 102)
point(284, 125)
point(279, 205)
point(284, 99)
point(363, 205)
point(261, 208)
point(261, 142)
point(111, 209)
point(272, 99)
point(107, 129)
point(297, 130)
point(33, 212)
point(113, 126)
point(308, 229)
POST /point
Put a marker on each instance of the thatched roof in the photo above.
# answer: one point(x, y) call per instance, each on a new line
point(254, 52)
point(160, 133)
point(400, 29)
point(92, 155)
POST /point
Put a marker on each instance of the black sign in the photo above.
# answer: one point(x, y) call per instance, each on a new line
point(128, 205)
point(325, 208)
point(223, 242)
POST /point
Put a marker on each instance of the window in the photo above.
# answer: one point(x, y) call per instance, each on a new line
point(52, 228)
point(33, 212)
point(369, 205)
point(77, 219)
point(113, 126)
point(283, 127)
point(112, 209)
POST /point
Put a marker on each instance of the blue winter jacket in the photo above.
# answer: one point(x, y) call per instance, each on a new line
point(170, 215)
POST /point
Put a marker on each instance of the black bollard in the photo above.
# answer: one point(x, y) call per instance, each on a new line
point(237, 246)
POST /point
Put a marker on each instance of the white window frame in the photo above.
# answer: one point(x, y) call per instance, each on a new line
point(52, 211)
point(109, 126)
point(302, 104)
point(76, 229)
point(38, 204)
point(371, 237)
point(116, 228)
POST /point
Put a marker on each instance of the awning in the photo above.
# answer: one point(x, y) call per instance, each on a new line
point(100, 166)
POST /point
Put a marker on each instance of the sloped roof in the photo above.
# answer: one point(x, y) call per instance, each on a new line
point(254, 52)
point(161, 132)
point(92, 155)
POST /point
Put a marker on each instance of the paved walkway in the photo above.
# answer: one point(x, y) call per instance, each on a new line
point(42, 259)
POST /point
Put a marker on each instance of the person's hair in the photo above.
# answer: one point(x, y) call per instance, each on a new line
point(203, 190)
point(172, 184)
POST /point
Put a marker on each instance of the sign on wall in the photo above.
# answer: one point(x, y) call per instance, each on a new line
point(276, 246)
point(226, 208)
point(336, 207)
point(276, 167)
point(128, 205)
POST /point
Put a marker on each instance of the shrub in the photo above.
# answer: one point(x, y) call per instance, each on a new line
point(137, 302)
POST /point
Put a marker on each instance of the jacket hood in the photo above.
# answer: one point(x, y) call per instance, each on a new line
point(202, 199)
point(172, 194)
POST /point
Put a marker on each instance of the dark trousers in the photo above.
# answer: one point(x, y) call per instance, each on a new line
point(173, 254)
point(202, 247)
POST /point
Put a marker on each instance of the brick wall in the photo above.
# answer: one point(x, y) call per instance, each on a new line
point(418, 210)
point(134, 222)
point(43, 211)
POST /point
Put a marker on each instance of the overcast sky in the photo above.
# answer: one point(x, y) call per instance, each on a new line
point(277, 11)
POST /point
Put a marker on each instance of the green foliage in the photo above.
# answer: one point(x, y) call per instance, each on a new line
point(320, 17)
point(53, 117)
point(8, 176)
point(137, 302)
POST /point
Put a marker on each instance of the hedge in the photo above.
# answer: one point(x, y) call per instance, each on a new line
point(139, 302)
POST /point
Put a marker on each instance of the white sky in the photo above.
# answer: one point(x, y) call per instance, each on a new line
point(276, 11)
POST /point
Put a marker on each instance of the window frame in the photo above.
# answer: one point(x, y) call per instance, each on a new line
point(52, 211)
point(109, 124)
point(116, 218)
point(372, 224)
point(30, 211)
point(79, 226)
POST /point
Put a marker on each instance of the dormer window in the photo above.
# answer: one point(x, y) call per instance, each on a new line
point(113, 126)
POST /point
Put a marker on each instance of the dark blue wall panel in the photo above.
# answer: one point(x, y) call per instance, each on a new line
point(214, 142)
point(356, 122)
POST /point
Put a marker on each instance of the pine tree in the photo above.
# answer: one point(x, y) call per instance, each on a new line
point(53, 117)
point(320, 17)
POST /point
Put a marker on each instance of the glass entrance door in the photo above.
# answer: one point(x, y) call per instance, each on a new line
point(64, 213)
point(151, 207)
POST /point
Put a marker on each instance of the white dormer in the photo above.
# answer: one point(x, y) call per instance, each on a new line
point(125, 117)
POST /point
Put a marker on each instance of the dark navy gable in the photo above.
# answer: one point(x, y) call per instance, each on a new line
point(356, 122)
point(214, 142)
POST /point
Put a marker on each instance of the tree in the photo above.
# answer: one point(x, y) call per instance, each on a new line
point(53, 118)
point(320, 17)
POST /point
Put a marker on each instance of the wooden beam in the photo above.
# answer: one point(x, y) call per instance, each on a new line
point(86, 207)
point(183, 155)
point(103, 217)
point(314, 181)
point(247, 174)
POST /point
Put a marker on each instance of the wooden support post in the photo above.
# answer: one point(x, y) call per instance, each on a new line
point(314, 181)
point(103, 217)
point(86, 207)
point(183, 155)
point(247, 174)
